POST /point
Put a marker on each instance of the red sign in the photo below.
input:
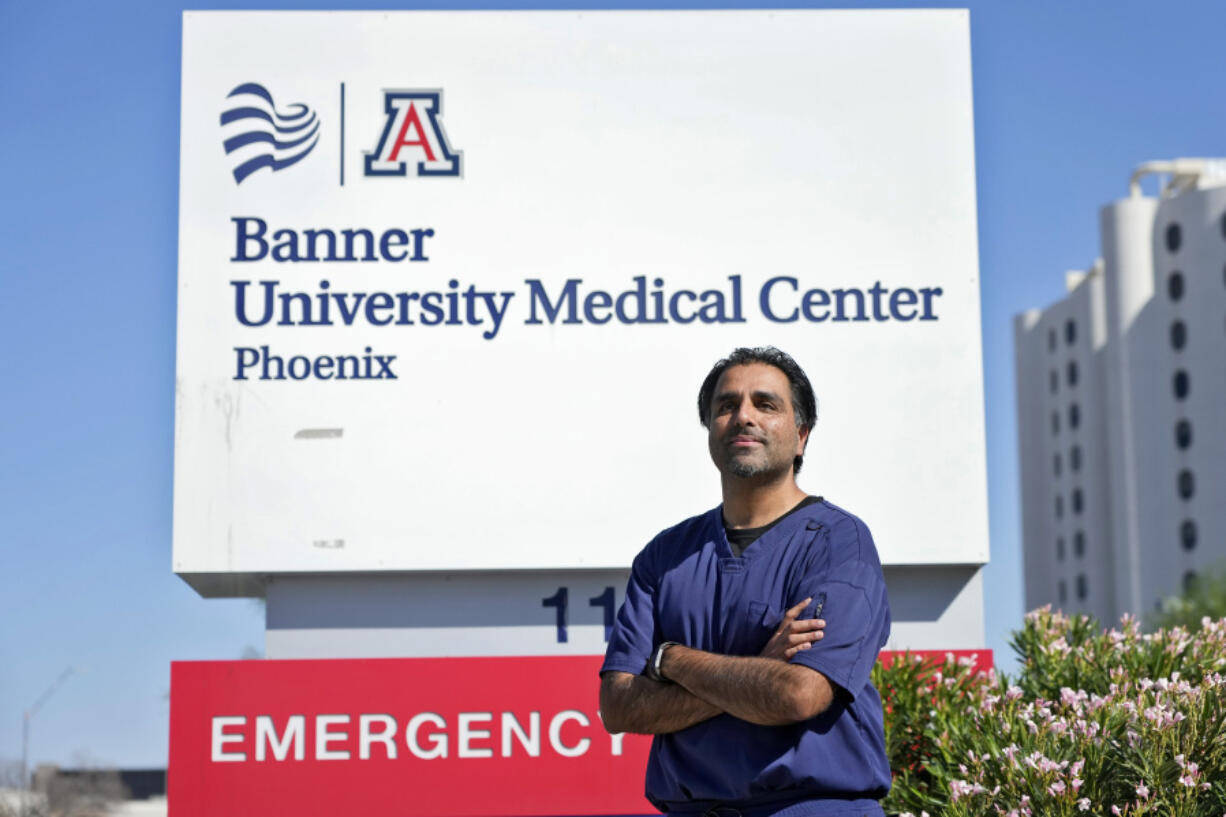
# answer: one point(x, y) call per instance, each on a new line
point(392, 737)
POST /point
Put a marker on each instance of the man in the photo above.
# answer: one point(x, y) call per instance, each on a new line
point(759, 707)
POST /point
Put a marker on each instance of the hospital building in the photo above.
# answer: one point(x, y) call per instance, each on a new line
point(1121, 405)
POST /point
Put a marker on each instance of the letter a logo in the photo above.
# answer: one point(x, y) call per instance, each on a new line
point(413, 142)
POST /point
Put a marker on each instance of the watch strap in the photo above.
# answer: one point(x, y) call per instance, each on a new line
point(657, 658)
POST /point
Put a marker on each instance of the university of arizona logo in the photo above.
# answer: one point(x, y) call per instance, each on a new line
point(413, 141)
point(258, 135)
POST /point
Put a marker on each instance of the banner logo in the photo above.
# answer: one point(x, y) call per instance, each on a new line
point(413, 141)
point(261, 136)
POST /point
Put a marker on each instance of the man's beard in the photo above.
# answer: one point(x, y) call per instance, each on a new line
point(744, 470)
point(751, 467)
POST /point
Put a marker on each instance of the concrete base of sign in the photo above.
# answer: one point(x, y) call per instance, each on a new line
point(547, 612)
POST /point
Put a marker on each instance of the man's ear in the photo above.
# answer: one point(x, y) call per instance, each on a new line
point(803, 433)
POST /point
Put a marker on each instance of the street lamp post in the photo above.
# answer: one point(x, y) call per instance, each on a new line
point(25, 736)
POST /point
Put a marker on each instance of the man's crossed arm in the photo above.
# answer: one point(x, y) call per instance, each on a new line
point(763, 689)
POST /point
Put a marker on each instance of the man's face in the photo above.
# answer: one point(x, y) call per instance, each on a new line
point(753, 424)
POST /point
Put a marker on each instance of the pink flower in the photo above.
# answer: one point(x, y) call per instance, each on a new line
point(1143, 791)
point(1059, 646)
point(1083, 804)
point(1070, 698)
point(960, 788)
point(1056, 788)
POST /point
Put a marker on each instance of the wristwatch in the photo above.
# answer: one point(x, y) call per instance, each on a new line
point(653, 664)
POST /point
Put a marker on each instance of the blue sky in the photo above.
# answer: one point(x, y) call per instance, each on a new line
point(1069, 97)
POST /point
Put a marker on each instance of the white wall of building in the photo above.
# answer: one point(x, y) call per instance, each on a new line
point(1127, 227)
point(1060, 356)
point(502, 613)
point(1149, 338)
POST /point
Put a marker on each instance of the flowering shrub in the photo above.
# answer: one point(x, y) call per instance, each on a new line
point(1097, 723)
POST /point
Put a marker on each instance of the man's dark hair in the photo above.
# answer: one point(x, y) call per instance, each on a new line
point(804, 403)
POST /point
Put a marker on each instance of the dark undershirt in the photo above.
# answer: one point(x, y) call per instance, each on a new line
point(741, 538)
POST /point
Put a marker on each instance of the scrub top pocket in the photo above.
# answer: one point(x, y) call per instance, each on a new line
point(760, 622)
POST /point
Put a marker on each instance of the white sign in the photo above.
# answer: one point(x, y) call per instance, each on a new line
point(449, 282)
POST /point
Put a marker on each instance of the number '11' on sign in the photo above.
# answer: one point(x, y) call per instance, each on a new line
point(560, 601)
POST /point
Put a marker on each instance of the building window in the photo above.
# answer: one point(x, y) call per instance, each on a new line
point(1179, 335)
point(1063, 591)
point(1186, 483)
point(1183, 434)
point(1054, 381)
point(1174, 285)
point(1070, 331)
point(1174, 238)
point(1083, 588)
point(1187, 534)
point(1223, 225)
point(1078, 501)
point(1074, 415)
point(1071, 373)
point(1055, 422)
point(1056, 463)
point(1051, 340)
point(1189, 580)
point(1059, 507)
point(1182, 384)
point(1074, 457)
point(1079, 544)
point(1059, 548)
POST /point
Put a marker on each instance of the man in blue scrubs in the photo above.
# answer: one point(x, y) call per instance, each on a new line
point(748, 632)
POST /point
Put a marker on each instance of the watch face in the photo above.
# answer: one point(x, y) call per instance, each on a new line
point(656, 659)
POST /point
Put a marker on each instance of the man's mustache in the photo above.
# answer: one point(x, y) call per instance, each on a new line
point(734, 434)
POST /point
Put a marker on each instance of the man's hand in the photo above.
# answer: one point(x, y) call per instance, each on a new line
point(793, 634)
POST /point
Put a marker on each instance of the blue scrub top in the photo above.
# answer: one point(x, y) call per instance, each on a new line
point(686, 586)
